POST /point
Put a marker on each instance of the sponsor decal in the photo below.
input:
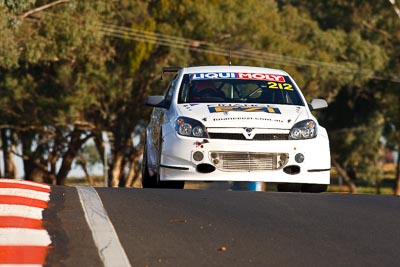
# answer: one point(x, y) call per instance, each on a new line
point(280, 86)
point(242, 108)
point(247, 119)
point(261, 76)
point(201, 144)
point(214, 75)
point(238, 75)
point(189, 106)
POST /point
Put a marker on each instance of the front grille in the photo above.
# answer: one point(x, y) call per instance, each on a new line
point(248, 161)
point(257, 137)
point(230, 136)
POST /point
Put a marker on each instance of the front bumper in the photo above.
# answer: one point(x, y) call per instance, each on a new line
point(261, 160)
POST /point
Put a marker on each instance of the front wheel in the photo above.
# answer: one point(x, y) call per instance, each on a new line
point(314, 188)
point(171, 184)
point(288, 187)
point(153, 181)
point(148, 181)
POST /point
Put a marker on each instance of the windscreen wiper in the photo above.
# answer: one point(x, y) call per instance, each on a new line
point(252, 93)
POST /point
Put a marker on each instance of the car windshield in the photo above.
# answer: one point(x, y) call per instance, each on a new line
point(273, 89)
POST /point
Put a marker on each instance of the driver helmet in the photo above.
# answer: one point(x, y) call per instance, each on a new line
point(199, 87)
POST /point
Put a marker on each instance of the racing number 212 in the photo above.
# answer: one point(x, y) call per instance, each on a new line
point(281, 86)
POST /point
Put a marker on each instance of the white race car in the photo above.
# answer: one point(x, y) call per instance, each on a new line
point(235, 123)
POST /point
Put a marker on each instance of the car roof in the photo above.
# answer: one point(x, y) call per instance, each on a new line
point(204, 69)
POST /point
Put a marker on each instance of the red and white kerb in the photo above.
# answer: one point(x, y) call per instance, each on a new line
point(23, 239)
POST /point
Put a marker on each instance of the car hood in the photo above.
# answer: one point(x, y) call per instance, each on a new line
point(244, 115)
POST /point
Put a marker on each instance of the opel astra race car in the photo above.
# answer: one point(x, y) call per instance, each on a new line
point(235, 123)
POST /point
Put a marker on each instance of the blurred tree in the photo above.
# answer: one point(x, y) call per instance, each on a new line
point(37, 89)
point(357, 115)
point(114, 105)
point(392, 128)
point(87, 158)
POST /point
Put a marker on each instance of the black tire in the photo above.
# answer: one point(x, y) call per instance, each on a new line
point(288, 187)
point(153, 181)
point(171, 184)
point(148, 181)
point(314, 188)
point(166, 184)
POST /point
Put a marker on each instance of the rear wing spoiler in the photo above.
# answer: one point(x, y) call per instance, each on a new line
point(168, 69)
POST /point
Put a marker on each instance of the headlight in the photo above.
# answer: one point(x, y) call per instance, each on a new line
point(306, 129)
point(190, 127)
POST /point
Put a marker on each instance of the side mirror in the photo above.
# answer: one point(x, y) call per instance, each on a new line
point(317, 104)
point(157, 101)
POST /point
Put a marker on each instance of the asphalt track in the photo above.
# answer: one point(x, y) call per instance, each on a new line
point(161, 227)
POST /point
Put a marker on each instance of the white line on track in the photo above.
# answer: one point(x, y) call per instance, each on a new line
point(25, 193)
point(21, 211)
point(106, 239)
point(24, 237)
